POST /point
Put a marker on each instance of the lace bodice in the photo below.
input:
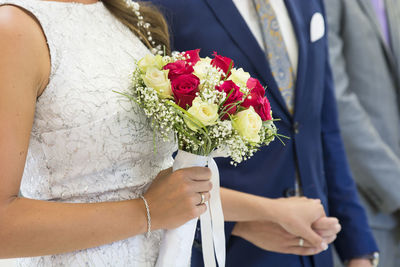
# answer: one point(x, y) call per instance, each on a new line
point(89, 144)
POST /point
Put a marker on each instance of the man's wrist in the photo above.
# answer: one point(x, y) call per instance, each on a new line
point(236, 231)
point(372, 258)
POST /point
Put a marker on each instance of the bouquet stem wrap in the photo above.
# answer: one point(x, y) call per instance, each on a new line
point(176, 246)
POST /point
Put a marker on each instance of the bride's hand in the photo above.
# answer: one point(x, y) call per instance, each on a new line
point(297, 215)
point(174, 197)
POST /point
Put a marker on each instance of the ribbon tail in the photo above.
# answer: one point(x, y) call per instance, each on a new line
point(207, 238)
point(217, 215)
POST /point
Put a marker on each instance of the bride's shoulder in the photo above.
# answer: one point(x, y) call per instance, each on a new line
point(22, 42)
point(17, 22)
point(18, 15)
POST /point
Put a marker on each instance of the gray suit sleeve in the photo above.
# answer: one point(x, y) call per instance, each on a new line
point(375, 166)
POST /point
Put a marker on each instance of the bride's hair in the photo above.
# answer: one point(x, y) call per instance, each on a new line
point(158, 29)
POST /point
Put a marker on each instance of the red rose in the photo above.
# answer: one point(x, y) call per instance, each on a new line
point(185, 88)
point(257, 92)
point(255, 85)
point(222, 63)
point(235, 95)
point(177, 68)
point(193, 56)
point(257, 100)
point(264, 109)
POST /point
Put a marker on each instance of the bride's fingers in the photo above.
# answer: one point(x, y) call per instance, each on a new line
point(200, 186)
point(199, 173)
point(295, 242)
point(303, 251)
point(202, 197)
point(197, 198)
point(200, 210)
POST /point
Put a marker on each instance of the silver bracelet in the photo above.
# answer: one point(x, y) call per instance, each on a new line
point(148, 217)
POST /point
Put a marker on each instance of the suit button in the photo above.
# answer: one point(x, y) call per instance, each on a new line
point(296, 127)
point(290, 192)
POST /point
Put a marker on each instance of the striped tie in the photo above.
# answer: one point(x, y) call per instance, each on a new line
point(275, 48)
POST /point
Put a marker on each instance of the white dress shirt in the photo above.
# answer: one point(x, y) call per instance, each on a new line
point(249, 14)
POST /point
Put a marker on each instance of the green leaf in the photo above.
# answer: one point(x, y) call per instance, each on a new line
point(229, 70)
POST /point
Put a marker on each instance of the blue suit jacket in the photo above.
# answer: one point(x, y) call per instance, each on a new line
point(315, 145)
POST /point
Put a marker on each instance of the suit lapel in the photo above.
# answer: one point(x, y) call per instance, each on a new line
point(233, 23)
point(393, 15)
point(301, 29)
point(368, 9)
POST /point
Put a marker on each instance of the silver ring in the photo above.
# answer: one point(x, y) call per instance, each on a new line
point(203, 198)
point(301, 242)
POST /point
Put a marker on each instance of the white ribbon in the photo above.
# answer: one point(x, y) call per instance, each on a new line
point(176, 245)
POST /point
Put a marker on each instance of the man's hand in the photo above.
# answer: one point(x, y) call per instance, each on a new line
point(327, 228)
point(272, 237)
point(297, 214)
point(360, 263)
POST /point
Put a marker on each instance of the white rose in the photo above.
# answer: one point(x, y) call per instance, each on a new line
point(248, 123)
point(150, 61)
point(158, 80)
point(239, 76)
point(205, 112)
point(202, 68)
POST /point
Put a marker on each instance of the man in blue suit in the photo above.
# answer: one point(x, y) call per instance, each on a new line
point(313, 162)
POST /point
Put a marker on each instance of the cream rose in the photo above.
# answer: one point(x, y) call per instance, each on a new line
point(239, 76)
point(202, 68)
point(150, 61)
point(205, 112)
point(248, 123)
point(158, 80)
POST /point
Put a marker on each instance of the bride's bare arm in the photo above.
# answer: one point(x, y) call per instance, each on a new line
point(32, 227)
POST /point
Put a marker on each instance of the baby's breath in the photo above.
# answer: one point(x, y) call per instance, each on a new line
point(168, 120)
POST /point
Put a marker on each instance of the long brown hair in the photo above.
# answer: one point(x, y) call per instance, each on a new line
point(158, 28)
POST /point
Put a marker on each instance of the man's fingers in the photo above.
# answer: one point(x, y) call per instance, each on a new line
point(326, 233)
point(329, 232)
point(325, 223)
point(330, 239)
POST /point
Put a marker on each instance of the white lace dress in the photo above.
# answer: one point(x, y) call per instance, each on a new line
point(88, 144)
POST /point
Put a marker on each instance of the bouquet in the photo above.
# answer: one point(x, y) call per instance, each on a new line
point(212, 109)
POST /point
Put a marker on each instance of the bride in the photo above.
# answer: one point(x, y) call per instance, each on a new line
point(93, 190)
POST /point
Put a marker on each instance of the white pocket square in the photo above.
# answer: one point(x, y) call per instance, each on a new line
point(317, 27)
